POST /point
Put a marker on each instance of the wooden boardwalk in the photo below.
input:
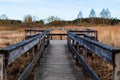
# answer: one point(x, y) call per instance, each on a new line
point(57, 64)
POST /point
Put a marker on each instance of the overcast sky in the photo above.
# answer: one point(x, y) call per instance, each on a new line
point(65, 9)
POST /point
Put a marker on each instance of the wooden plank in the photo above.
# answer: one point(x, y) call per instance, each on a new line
point(33, 30)
point(29, 36)
point(63, 34)
point(90, 37)
point(57, 64)
point(83, 30)
point(86, 31)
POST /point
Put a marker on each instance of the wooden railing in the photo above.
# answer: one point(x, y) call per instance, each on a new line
point(101, 61)
point(32, 32)
point(62, 36)
point(17, 61)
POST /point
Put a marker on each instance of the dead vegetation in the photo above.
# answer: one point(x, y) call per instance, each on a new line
point(109, 35)
point(106, 34)
point(10, 37)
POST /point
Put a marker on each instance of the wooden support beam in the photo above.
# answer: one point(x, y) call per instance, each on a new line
point(2, 70)
point(3, 66)
point(117, 67)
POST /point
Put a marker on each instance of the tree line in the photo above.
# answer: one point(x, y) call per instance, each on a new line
point(104, 18)
point(104, 15)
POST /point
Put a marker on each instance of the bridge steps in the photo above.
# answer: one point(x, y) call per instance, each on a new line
point(57, 64)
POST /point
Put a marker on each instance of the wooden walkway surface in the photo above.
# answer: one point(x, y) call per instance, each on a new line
point(57, 64)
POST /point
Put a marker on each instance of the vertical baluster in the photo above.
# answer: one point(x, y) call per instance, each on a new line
point(117, 66)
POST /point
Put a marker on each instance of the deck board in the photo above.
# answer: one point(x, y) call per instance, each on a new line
point(57, 64)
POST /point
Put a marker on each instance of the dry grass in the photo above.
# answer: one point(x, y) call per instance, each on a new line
point(109, 35)
point(10, 37)
point(106, 34)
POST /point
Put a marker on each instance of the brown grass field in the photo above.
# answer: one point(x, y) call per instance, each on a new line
point(109, 35)
point(106, 34)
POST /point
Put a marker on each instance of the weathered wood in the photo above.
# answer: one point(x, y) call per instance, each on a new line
point(93, 33)
point(93, 75)
point(107, 53)
point(117, 67)
point(102, 50)
point(13, 52)
point(29, 36)
point(2, 73)
point(63, 34)
point(34, 30)
point(38, 54)
point(60, 35)
point(57, 64)
point(83, 30)
point(29, 68)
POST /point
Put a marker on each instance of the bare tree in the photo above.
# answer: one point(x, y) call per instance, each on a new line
point(35, 18)
point(105, 14)
point(92, 14)
point(52, 18)
point(108, 14)
point(79, 17)
point(3, 17)
point(28, 19)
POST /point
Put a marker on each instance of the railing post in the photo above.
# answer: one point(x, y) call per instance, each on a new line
point(33, 51)
point(51, 37)
point(117, 66)
point(3, 74)
point(60, 37)
point(77, 44)
point(48, 38)
point(68, 40)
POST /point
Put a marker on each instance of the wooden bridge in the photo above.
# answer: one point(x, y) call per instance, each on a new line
point(79, 57)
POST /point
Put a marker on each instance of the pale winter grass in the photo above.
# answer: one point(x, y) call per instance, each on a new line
point(106, 34)
point(10, 37)
point(109, 35)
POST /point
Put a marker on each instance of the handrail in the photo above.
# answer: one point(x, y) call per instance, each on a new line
point(100, 49)
point(17, 45)
point(13, 52)
point(86, 32)
point(61, 35)
point(106, 52)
